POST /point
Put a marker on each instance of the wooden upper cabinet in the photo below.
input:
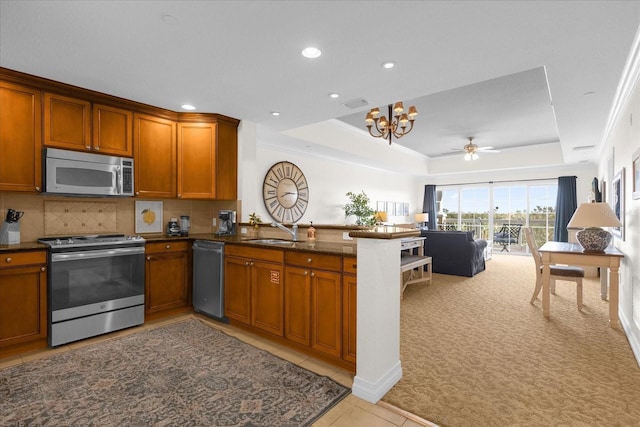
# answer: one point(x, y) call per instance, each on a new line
point(154, 141)
point(208, 160)
point(112, 130)
point(20, 138)
point(197, 160)
point(67, 122)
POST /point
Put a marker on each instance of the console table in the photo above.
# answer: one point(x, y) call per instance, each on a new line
point(571, 254)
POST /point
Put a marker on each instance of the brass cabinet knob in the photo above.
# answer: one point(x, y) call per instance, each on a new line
point(8, 259)
point(43, 268)
point(96, 148)
point(168, 246)
point(313, 274)
point(88, 147)
point(38, 189)
point(306, 272)
point(148, 258)
point(309, 260)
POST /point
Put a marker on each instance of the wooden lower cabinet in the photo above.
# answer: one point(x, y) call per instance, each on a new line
point(254, 287)
point(300, 296)
point(313, 301)
point(166, 276)
point(349, 312)
point(23, 297)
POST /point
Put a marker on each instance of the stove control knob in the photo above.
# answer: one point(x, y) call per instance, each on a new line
point(58, 242)
point(69, 240)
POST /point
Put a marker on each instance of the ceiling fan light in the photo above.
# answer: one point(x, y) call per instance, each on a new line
point(474, 156)
point(412, 112)
point(398, 107)
point(467, 157)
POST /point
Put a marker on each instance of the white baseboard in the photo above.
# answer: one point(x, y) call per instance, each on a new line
point(373, 391)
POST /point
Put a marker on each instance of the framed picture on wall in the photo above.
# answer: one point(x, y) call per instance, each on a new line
point(390, 210)
point(636, 175)
point(617, 202)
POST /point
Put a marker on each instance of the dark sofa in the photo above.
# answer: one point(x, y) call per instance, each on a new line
point(454, 252)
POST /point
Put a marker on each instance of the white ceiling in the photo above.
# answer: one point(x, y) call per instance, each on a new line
point(511, 73)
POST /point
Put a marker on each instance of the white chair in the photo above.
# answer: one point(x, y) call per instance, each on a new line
point(558, 272)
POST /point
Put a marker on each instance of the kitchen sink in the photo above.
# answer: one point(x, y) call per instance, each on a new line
point(278, 242)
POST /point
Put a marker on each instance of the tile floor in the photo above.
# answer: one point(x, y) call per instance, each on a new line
point(350, 412)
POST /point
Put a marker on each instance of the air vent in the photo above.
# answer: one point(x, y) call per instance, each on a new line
point(356, 103)
point(583, 147)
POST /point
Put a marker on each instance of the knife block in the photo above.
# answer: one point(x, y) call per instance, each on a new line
point(10, 233)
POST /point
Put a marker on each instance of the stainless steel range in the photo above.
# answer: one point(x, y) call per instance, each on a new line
point(95, 285)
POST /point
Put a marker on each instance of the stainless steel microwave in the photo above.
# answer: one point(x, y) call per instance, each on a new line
point(86, 174)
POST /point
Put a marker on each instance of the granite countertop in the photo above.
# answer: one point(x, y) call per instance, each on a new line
point(333, 248)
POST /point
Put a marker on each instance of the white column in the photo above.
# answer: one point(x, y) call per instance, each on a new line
point(378, 310)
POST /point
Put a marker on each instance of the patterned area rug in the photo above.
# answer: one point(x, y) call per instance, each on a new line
point(184, 374)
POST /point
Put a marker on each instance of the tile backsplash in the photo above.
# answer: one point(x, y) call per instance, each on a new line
point(54, 215)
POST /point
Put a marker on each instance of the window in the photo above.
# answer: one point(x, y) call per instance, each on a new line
point(484, 209)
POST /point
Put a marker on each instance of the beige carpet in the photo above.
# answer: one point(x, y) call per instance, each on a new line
point(474, 352)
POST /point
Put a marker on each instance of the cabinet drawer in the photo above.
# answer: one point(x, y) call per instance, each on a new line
point(251, 252)
point(173, 246)
point(312, 259)
point(349, 265)
point(19, 259)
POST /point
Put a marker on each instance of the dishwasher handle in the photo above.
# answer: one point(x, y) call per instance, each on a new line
point(208, 246)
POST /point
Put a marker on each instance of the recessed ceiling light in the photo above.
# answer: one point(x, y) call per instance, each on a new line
point(275, 113)
point(311, 52)
point(388, 64)
point(334, 95)
point(188, 107)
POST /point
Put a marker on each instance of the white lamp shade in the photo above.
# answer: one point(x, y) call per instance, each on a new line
point(421, 217)
point(594, 215)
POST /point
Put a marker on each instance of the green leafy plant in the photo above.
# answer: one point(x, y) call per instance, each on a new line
point(359, 207)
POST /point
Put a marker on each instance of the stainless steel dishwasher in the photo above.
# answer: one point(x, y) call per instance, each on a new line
point(208, 279)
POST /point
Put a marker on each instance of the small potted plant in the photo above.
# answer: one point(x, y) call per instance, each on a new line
point(359, 207)
point(254, 221)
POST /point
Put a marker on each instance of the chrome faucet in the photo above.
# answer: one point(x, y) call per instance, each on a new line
point(293, 231)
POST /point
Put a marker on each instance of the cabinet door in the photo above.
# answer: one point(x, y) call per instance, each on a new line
point(112, 130)
point(166, 281)
point(23, 304)
point(267, 296)
point(297, 305)
point(20, 138)
point(196, 160)
point(227, 161)
point(326, 312)
point(155, 156)
point(67, 122)
point(237, 289)
point(349, 317)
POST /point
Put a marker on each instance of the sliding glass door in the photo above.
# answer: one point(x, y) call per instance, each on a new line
point(487, 209)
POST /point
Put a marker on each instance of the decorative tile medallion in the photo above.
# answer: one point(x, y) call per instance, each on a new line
point(79, 218)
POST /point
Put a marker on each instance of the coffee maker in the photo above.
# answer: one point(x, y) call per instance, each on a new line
point(227, 223)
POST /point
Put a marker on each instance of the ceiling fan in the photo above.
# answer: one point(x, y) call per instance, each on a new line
point(471, 150)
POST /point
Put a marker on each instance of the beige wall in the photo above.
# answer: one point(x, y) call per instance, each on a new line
point(51, 216)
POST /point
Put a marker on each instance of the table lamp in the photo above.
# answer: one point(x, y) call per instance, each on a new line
point(421, 218)
point(590, 217)
point(381, 217)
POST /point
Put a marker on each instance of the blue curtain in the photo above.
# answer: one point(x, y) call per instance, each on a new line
point(429, 206)
point(566, 204)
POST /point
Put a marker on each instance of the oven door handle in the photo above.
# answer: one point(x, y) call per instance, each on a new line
point(100, 253)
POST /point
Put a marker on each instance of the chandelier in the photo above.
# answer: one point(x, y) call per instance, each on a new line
point(470, 150)
point(387, 129)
